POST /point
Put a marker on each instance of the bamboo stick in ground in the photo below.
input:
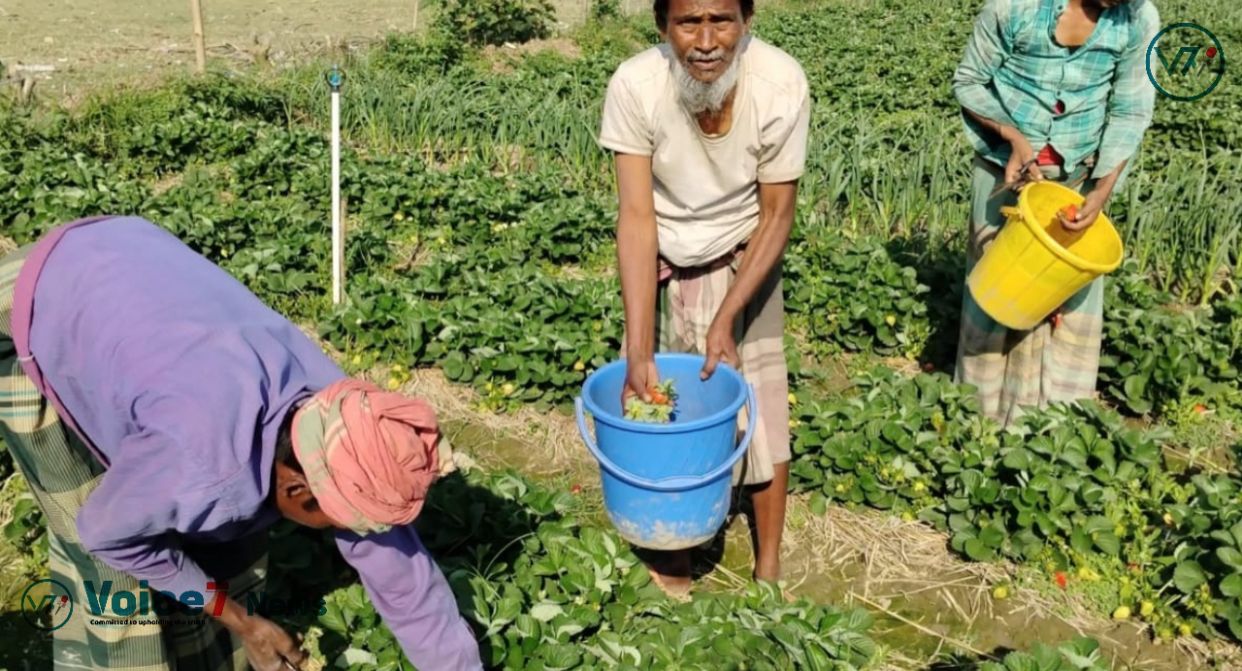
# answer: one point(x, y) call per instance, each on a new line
point(200, 46)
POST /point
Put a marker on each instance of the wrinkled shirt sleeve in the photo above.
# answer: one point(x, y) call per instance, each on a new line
point(413, 597)
point(784, 140)
point(189, 468)
point(133, 519)
point(625, 128)
point(986, 51)
point(1132, 100)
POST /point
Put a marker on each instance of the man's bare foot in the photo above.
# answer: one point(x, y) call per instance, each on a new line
point(677, 587)
point(768, 570)
point(671, 571)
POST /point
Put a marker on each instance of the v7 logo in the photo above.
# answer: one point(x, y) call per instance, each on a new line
point(1183, 51)
point(48, 601)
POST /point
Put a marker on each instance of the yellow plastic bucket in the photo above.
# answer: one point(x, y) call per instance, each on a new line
point(1034, 265)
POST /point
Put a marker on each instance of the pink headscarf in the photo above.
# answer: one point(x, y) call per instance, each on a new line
point(369, 455)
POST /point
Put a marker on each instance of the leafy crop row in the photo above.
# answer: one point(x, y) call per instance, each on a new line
point(545, 589)
point(1068, 488)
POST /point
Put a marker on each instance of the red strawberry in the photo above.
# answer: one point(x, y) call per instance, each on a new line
point(1062, 581)
point(575, 490)
point(1211, 52)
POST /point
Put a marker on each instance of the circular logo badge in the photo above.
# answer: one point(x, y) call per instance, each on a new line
point(1185, 61)
point(47, 605)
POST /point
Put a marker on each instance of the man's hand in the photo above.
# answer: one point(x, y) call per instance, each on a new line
point(640, 376)
point(1089, 211)
point(268, 647)
point(1021, 155)
point(777, 201)
point(720, 346)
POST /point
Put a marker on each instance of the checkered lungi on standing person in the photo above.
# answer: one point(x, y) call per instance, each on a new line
point(62, 472)
point(1015, 370)
point(687, 303)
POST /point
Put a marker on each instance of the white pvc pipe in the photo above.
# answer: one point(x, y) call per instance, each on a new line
point(336, 198)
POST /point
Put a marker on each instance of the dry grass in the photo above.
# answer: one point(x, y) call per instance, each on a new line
point(167, 183)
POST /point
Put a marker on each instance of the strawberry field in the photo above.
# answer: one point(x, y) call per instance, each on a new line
point(480, 219)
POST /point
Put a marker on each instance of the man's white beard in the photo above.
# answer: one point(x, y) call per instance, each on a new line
point(699, 97)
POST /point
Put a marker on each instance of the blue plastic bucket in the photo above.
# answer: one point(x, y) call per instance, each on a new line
point(668, 486)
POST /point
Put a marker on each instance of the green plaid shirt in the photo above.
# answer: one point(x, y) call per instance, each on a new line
point(1014, 72)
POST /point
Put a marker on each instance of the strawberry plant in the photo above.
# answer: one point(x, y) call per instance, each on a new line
point(1072, 486)
point(1156, 355)
point(886, 446)
point(1081, 654)
point(544, 590)
point(852, 296)
point(660, 410)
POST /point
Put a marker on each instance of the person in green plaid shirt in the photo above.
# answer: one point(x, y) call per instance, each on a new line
point(1050, 89)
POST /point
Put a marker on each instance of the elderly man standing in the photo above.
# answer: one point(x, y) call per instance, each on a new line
point(164, 418)
point(709, 130)
point(1050, 89)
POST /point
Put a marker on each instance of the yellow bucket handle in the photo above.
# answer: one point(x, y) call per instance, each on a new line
point(1011, 212)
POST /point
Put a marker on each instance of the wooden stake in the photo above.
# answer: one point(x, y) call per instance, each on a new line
point(200, 46)
point(27, 92)
point(416, 4)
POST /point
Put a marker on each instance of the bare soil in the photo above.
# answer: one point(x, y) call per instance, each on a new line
point(71, 46)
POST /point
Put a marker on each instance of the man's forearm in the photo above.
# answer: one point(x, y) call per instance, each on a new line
point(763, 253)
point(1109, 181)
point(637, 250)
point(1003, 130)
point(229, 613)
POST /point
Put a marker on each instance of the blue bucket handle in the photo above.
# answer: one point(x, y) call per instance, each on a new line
point(677, 483)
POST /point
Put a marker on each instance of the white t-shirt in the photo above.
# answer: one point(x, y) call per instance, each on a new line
point(707, 188)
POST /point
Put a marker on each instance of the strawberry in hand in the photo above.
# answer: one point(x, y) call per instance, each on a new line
point(1068, 215)
point(658, 410)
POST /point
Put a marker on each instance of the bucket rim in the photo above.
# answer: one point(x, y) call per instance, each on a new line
point(1028, 220)
point(713, 419)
